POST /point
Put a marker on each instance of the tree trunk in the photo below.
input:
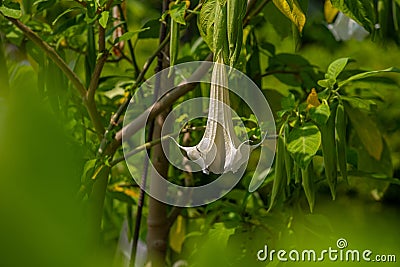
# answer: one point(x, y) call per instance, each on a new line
point(157, 220)
point(157, 223)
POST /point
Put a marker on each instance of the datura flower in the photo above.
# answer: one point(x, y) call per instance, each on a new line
point(219, 150)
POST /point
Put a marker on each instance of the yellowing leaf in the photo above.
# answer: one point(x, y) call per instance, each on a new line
point(312, 99)
point(177, 234)
point(187, 3)
point(124, 193)
point(292, 10)
point(330, 11)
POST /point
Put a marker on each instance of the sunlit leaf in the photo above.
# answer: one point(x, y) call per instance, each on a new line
point(177, 12)
point(303, 143)
point(9, 12)
point(177, 234)
point(206, 20)
point(292, 10)
point(320, 114)
point(336, 67)
point(367, 74)
point(104, 19)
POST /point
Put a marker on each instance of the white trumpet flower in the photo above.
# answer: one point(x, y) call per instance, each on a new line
point(219, 150)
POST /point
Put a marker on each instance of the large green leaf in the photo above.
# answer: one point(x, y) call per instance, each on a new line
point(367, 74)
point(303, 143)
point(205, 22)
point(362, 11)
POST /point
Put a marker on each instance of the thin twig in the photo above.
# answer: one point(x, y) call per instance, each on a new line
point(94, 81)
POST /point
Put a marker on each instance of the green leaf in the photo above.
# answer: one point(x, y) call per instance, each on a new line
point(367, 131)
point(329, 150)
point(253, 68)
point(326, 83)
point(177, 12)
point(220, 234)
point(367, 74)
point(236, 10)
point(362, 11)
point(151, 29)
point(336, 67)
point(104, 19)
point(280, 172)
point(267, 47)
point(303, 144)
point(173, 44)
point(9, 12)
point(340, 135)
point(128, 35)
point(308, 185)
point(205, 22)
point(288, 102)
point(88, 170)
point(63, 14)
point(220, 35)
point(320, 114)
point(292, 10)
point(360, 103)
